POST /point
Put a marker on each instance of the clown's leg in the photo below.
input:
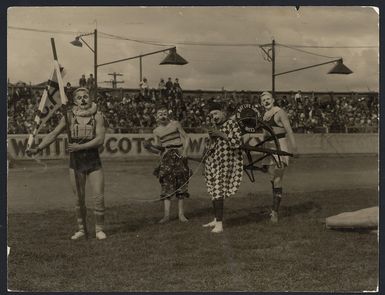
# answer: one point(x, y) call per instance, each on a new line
point(181, 215)
point(181, 188)
point(167, 205)
point(96, 179)
point(218, 211)
point(211, 223)
point(78, 188)
point(277, 176)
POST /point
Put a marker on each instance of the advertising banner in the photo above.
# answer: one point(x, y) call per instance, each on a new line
point(129, 145)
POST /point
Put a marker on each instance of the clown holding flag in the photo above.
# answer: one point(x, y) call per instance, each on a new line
point(50, 102)
point(86, 132)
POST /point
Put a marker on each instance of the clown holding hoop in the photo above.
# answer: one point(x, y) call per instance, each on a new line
point(276, 118)
point(173, 172)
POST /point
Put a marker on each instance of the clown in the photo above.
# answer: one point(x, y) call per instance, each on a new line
point(223, 164)
point(277, 119)
point(87, 129)
point(173, 172)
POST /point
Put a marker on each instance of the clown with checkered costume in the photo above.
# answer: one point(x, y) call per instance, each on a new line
point(223, 164)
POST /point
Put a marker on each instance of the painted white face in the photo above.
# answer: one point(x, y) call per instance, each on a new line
point(217, 116)
point(267, 102)
point(162, 116)
point(82, 99)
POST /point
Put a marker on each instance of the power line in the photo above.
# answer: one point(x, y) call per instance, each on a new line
point(43, 31)
point(307, 52)
point(319, 46)
point(237, 44)
point(189, 43)
point(116, 37)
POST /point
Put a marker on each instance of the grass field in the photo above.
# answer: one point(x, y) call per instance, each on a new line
point(298, 254)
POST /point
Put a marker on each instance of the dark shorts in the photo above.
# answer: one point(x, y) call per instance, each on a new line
point(85, 161)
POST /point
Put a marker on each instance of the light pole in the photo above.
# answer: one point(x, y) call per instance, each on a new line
point(339, 68)
point(173, 58)
point(79, 43)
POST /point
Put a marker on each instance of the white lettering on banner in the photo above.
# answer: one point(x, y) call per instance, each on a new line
point(128, 145)
point(115, 146)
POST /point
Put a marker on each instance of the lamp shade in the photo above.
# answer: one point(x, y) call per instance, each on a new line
point(340, 68)
point(76, 42)
point(173, 58)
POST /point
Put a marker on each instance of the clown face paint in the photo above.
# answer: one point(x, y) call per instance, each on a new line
point(217, 116)
point(267, 101)
point(162, 116)
point(82, 99)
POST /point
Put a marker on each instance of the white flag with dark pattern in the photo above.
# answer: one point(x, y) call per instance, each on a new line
point(52, 99)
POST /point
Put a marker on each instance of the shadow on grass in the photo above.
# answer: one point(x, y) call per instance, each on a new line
point(301, 208)
point(369, 230)
point(260, 213)
point(131, 225)
point(125, 219)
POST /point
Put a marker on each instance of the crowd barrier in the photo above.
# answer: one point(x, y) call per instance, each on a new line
point(129, 145)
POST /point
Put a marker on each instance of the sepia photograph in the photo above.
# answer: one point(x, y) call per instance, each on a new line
point(193, 148)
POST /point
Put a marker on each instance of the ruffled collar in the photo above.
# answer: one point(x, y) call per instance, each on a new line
point(268, 114)
point(85, 113)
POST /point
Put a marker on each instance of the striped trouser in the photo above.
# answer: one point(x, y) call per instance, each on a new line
point(81, 212)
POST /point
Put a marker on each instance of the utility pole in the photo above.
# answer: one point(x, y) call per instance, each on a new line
point(96, 59)
point(114, 81)
point(273, 68)
point(270, 57)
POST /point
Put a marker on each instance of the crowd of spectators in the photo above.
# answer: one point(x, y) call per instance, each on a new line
point(339, 114)
point(129, 112)
point(22, 106)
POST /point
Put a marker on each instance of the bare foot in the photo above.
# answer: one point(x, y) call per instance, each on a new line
point(183, 218)
point(210, 224)
point(274, 217)
point(164, 220)
point(218, 228)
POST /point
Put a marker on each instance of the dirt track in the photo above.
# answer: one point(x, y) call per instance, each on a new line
point(33, 187)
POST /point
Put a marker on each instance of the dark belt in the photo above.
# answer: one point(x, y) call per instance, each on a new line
point(81, 140)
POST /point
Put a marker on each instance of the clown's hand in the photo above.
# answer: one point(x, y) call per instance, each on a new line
point(147, 144)
point(32, 151)
point(184, 154)
point(73, 147)
point(216, 133)
point(152, 148)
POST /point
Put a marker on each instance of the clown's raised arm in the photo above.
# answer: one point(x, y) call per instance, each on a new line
point(156, 147)
point(49, 138)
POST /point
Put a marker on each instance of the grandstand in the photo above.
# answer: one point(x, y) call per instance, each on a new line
point(127, 111)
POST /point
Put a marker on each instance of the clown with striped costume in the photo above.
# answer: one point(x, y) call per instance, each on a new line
point(173, 171)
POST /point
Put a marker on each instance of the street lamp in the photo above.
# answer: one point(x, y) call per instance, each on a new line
point(79, 43)
point(173, 58)
point(339, 68)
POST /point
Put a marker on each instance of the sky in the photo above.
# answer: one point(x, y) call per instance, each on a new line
point(203, 36)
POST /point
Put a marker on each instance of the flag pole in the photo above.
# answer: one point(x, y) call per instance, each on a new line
point(80, 192)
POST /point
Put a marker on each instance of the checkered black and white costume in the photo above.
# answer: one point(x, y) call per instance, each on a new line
point(224, 164)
